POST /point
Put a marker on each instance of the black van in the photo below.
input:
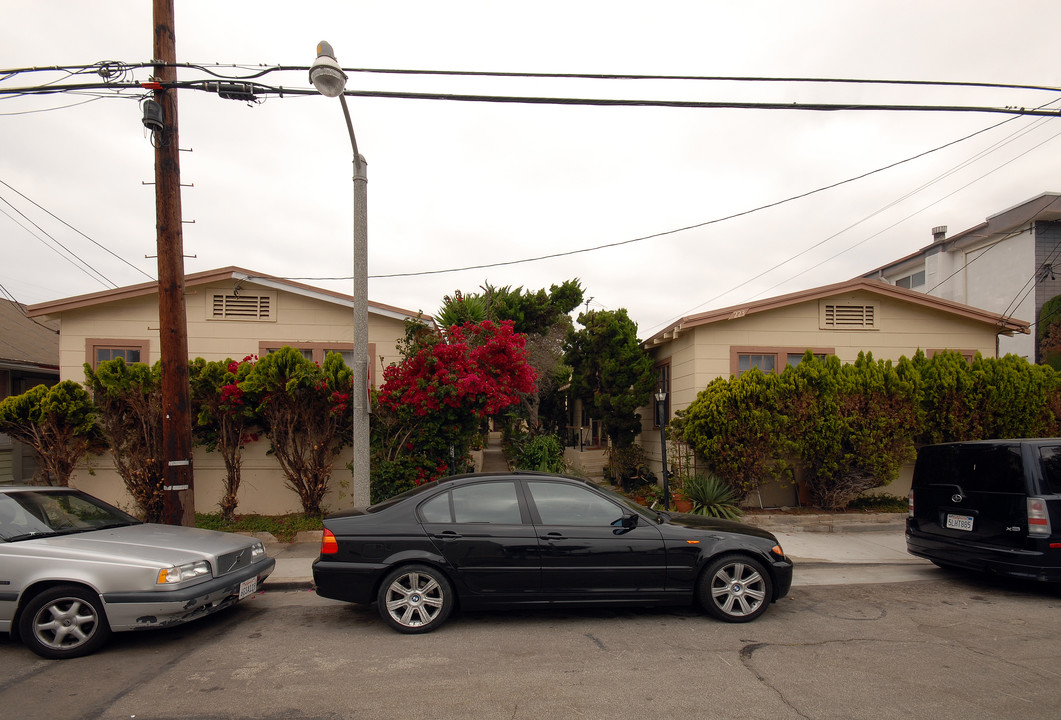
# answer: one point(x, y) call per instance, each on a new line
point(989, 505)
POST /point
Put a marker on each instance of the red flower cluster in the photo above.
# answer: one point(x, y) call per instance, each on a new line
point(231, 394)
point(478, 368)
point(340, 403)
point(233, 367)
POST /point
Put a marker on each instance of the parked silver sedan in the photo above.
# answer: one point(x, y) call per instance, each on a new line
point(73, 569)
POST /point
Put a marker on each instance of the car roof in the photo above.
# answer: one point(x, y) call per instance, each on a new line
point(36, 488)
point(467, 478)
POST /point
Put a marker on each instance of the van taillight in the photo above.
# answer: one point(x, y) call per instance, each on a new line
point(911, 502)
point(1038, 517)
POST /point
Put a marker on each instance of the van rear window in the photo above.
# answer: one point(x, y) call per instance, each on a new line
point(974, 468)
point(1050, 457)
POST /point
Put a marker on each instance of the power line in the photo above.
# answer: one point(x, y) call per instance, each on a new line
point(251, 91)
point(51, 109)
point(22, 309)
point(904, 219)
point(64, 222)
point(83, 268)
point(698, 225)
point(261, 69)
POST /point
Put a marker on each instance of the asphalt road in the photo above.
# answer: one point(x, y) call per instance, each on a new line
point(949, 646)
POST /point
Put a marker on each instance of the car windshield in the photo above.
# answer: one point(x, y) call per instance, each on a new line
point(32, 514)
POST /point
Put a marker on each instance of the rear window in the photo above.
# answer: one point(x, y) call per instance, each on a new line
point(974, 468)
point(1050, 459)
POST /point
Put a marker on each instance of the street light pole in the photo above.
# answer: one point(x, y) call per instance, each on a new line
point(329, 79)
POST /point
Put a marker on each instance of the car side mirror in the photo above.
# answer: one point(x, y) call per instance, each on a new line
point(630, 521)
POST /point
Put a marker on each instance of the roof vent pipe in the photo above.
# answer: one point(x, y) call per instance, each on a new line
point(939, 233)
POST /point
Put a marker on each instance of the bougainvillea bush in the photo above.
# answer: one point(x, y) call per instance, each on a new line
point(431, 404)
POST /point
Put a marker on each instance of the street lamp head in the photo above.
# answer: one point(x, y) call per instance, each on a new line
point(661, 396)
point(325, 73)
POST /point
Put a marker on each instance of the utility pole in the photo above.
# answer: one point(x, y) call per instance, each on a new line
point(179, 497)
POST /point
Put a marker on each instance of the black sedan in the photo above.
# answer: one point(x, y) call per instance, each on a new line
point(502, 540)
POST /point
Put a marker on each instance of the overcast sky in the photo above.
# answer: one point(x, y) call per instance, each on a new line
point(457, 184)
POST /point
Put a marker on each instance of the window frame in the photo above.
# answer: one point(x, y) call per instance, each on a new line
point(909, 279)
point(967, 355)
point(780, 355)
point(451, 501)
point(318, 350)
point(600, 500)
point(92, 345)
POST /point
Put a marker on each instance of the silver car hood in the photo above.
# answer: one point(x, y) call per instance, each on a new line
point(148, 543)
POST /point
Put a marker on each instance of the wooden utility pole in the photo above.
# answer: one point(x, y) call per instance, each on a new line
point(179, 501)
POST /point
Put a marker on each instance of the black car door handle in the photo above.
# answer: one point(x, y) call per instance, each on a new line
point(448, 535)
point(552, 536)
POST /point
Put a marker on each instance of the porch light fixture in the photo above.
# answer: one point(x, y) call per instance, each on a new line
point(661, 407)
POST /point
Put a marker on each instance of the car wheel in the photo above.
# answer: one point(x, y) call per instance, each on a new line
point(735, 588)
point(64, 622)
point(415, 599)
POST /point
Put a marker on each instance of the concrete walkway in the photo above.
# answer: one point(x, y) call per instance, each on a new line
point(493, 458)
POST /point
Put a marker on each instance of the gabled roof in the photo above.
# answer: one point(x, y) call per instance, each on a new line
point(1044, 208)
point(735, 312)
point(209, 277)
point(26, 343)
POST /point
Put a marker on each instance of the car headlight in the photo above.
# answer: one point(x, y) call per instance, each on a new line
point(257, 550)
point(189, 571)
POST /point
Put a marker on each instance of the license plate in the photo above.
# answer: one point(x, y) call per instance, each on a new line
point(960, 522)
point(248, 587)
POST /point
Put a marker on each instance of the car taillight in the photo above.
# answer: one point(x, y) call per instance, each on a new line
point(910, 502)
point(329, 545)
point(1038, 517)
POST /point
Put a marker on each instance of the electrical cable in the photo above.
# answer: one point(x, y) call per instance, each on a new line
point(256, 88)
point(64, 222)
point(22, 309)
point(705, 223)
point(43, 110)
point(1013, 136)
point(262, 69)
point(84, 267)
point(902, 220)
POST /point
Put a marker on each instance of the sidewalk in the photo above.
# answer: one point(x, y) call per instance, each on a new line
point(816, 543)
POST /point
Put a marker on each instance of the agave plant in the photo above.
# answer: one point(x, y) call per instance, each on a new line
point(711, 496)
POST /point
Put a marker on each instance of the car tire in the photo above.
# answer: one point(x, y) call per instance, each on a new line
point(415, 599)
point(65, 621)
point(735, 588)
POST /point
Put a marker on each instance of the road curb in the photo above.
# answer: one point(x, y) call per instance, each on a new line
point(828, 523)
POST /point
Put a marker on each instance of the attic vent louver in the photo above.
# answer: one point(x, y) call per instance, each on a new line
point(850, 316)
point(241, 307)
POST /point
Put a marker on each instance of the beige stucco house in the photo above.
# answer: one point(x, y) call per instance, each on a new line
point(232, 313)
point(842, 319)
